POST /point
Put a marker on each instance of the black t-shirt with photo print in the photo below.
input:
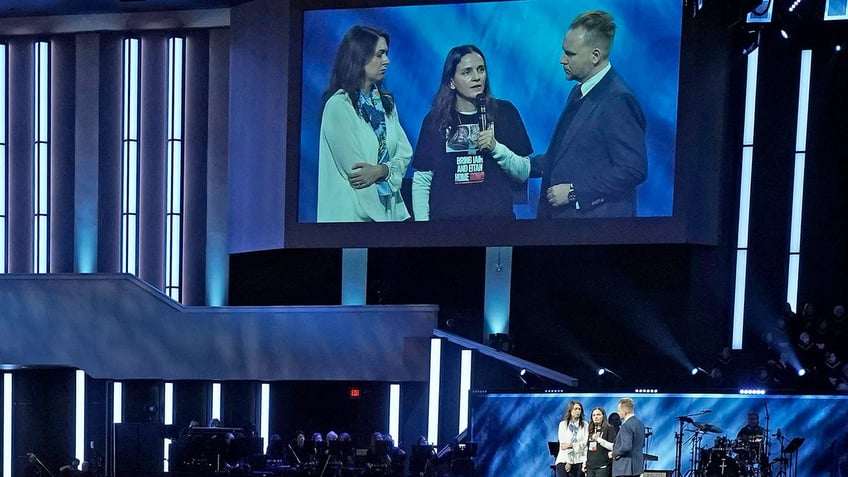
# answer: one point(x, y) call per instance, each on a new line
point(468, 183)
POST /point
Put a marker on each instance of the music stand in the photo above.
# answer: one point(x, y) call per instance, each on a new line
point(794, 445)
point(791, 450)
point(553, 449)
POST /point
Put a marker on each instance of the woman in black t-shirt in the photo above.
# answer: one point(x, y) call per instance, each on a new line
point(601, 439)
point(471, 156)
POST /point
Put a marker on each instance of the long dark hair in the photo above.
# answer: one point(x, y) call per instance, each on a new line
point(444, 102)
point(604, 424)
point(567, 416)
point(355, 51)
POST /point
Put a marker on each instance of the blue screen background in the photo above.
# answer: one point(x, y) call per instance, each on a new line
point(522, 42)
point(512, 430)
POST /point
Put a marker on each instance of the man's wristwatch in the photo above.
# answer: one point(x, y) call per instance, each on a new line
point(572, 196)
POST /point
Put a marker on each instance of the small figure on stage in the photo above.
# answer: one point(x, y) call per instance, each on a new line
point(601, 440)
point(573, 436)
point(750, 446)
point(627, 455)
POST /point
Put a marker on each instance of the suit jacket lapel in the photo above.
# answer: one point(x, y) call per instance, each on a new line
point(587, 105)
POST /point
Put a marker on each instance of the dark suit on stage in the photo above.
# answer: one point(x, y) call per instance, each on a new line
point(627, 457)
point(599, 146)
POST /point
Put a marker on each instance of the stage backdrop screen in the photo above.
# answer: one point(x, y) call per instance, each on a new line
point(522, 42)
point(512, 431)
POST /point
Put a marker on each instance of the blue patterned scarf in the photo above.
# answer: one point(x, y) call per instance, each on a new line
point(372, 109)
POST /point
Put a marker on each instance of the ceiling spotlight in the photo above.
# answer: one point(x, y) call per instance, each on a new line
point(795, 5)
point(802, 372)
point(697, 370)
point(837, 48)
point(605, 371)
point(530, 380)
point(784, 33)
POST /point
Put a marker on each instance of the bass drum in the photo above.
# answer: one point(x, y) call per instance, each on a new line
point(722, 465)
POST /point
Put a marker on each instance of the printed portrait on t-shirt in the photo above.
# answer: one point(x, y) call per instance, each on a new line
point(461, 144)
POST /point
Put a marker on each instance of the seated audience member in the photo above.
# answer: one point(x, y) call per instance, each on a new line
point(276, 447)
point(839, 330)
point(377, 460)
point(297, 454)
point(842, 383)
point(85, 469)
point(831, 369)
point(808, 354)
point(70, 470)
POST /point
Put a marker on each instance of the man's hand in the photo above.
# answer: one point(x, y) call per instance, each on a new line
point(557, 195)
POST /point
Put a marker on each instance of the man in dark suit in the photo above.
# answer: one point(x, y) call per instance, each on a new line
point(627, 457)
point(597, 154)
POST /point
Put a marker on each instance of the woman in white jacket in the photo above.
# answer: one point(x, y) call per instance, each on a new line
point(573, 435)
point(364, 152)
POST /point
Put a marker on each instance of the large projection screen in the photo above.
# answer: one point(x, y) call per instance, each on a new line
point(522, 42)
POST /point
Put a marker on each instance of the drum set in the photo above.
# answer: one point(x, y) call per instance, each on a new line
point(745, 456)
point(742, 457)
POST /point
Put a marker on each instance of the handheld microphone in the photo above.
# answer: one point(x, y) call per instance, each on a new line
point(706, 411)
point(481, 110)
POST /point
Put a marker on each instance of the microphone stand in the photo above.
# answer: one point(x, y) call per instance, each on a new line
point(766, 438)
point(678, 445)
point(695, 460)
point(678, 441)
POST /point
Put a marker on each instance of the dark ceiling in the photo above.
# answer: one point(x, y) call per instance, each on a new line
point(29, 8)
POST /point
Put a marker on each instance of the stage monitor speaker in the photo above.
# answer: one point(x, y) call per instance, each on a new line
point(656, 473)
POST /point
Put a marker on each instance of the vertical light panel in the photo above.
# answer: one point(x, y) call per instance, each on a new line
point(41, 157)
point(174, 168)
point(496, 296)
point(4, 164)
point(803, 101)
point(739, 298)
point(131, 96)
point(265, 413)
point(169, 403)
point(745, 199)
point(354, 276)
point(794, 258)
point(792, 280)
point(79, 424)
point(435, 377)
point(117, 402)
point(7, 425)
point(394, 411)
point(464, 389)
point(169, 420)
point(216, 400)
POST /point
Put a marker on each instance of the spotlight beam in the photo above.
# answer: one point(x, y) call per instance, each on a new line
point(605, 371)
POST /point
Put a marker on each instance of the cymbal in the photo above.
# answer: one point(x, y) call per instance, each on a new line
point(707, 427)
